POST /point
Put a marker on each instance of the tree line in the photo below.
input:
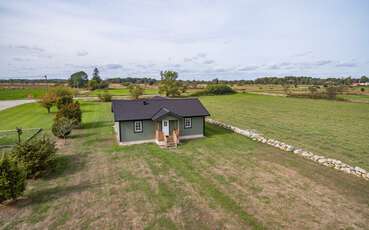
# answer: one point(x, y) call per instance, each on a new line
point(80, 80)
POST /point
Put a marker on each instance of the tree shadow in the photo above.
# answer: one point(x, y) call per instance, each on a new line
point(65, 165)
point(38, 197)
point(96, 124)
point(79, 135)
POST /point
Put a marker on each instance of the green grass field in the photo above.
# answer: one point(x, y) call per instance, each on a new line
point(12, 94)
point(223, 181)
point(120, 92)
point(335, 129)
point(356, 98)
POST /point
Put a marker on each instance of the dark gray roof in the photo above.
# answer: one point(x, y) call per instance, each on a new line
point(156, 107)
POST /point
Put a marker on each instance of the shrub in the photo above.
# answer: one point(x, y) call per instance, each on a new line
point(37, 155)
point(12, 178)
point(62, 127)
point(105, 97)
point(219, 89)
point(48, 100)
point(61, 91)
point(362, 89)
point(136, 91)
point(64, 100)
point(72, 111)
point(93, 84)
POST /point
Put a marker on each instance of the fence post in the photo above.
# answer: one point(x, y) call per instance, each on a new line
point(19, 132)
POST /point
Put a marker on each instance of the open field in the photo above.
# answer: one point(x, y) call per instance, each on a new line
point(13, 94)
point(121, 92)
point(356, 98)
point(335, 129)
point(223, 181)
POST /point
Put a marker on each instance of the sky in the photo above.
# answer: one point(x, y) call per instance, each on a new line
point(234, 39)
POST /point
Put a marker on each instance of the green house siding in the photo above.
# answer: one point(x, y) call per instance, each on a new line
point(128, 134)
point(196, 129)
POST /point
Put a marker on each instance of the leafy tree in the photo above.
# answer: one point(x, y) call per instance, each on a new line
point(169, 84)
point(364, 79)
point(93, 84)
point(64, 100)
point(105, 97)
point(12, 178)
point(48, 100)
point(96, 76)
point(37, 155)
point(62, 91)
point(78, 79)
point(62, 127)
point(72, 111)
point(136, 91)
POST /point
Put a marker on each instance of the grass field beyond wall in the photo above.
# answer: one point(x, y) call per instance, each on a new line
point(334, 129)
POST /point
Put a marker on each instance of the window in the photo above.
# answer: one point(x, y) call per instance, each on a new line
point(138, 127)
point(187, 122)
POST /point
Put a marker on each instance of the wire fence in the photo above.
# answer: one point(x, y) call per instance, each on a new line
point(9, 138)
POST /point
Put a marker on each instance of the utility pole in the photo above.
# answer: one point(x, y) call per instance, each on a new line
point(47, 87)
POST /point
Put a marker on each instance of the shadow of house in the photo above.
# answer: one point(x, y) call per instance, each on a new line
point(212, 130)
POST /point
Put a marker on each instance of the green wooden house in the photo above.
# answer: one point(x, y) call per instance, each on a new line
point(161, 120)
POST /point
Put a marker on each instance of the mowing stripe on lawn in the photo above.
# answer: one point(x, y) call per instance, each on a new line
point(183, 167)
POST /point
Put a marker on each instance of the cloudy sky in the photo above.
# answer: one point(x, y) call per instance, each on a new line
point(234, 39)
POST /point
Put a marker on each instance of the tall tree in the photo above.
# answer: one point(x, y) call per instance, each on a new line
point(169, 84)
point(78, 79)
point(364, 79)
point(136, 90)
point(96, 76)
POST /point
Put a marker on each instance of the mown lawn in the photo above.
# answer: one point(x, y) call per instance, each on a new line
point(223, 181)
point(13, 94)
point(330, 128)
point(121, 92)
point(356, 98)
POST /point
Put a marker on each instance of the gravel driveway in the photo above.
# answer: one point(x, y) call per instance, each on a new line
point(12, 103)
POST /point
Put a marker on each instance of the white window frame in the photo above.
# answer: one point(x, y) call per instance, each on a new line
point(187, 122)
point(138, 126)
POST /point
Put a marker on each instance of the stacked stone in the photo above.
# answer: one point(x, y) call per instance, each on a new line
point(333, 163)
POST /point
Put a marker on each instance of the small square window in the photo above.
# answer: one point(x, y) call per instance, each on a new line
point(138, 126)
point(187, 122)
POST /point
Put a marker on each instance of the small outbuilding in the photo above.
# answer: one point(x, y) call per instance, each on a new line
point(160, 120)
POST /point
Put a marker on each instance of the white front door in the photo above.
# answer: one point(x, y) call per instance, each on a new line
point(165, 127)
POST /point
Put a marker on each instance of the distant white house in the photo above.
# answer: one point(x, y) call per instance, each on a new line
point(360, 84)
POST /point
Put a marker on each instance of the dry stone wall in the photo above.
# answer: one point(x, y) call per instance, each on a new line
point(329, 162)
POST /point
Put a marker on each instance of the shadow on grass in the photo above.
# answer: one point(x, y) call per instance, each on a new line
point(66, 165)
point(81, 135)
point(212, 130)
point(96, 124)
point(48, 194)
